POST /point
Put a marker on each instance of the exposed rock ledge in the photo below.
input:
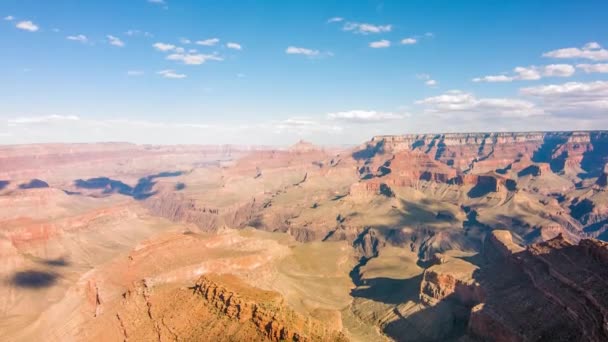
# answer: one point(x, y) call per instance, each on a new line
point(266, 309)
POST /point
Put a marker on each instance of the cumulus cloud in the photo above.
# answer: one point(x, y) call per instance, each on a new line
point(335, 20)
point(593, 68)
point(558, 70)
point(193, 58)
point(185, 41)
point(572, 98)
point(157, 2)
point(363, 116)
point(364, 28)
point(462, 104)
point(9, 18)
point(380, 44)
point(78, 38)
point(163, 47)
point(208, 42)
point(42, 119)
point(592, 51)
point(409, 41)
point(115, 41)
point(234, 46)
point(531, 73)
point(171, 74)
point(431, 83)
point(27, 26)
point(294, 50)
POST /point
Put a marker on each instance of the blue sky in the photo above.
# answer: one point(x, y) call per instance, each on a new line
point(273, 72)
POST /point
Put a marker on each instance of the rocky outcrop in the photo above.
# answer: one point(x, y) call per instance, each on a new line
point(266, 309)
point(215, 308)
point(450, 278)
point(551, 291)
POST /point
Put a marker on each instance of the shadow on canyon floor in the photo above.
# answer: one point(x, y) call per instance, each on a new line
point(388, 290)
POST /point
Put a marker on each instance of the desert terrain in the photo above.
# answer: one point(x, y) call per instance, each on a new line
point(429, 237)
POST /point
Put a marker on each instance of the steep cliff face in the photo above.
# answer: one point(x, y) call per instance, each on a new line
point(450, 278)
point(550, 291)
point(553, 290)
point(176, 207)
point(487, 151)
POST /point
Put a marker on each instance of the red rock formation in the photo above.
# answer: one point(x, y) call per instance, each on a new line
point(550, 291)
point(217, 308)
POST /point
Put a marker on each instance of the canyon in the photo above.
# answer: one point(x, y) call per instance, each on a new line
point(418, 237)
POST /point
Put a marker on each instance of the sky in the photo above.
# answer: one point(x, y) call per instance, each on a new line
point(274, 72)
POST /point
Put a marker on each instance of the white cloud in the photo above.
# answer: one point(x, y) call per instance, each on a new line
point(208, 42)
point(135, 73)
point(27, 26)
point(293, 50)
point(531, 73)
point(572, 98)
point(303, 125)
point(363, 116)
point(458, 104)
point(592, 46)
point(78, 38)
point(559, 70)
point(157, 2)
point(115, 41)
point(427, 80)
point(42, 119)
point(363, 28)
point(234, 46)
point(171, 74)
point(527, 74)
point(493, 78)
point(335, 20)
point(193, 59)
point(380, 44)
point(185, 41)
point(409, 41)
point(9, 18)
point(592, 51)
point(593, 68)
point(163, 47)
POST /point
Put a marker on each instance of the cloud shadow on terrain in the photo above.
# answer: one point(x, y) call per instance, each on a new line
point(481, 190)
point(141, 191)
point(34, 184)
point(57, 262)
point(33, 279)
